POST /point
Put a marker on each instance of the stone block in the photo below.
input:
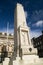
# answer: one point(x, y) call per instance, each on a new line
point(6, 61)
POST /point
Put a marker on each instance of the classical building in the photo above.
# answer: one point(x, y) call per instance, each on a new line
point(38, 43)
point(6, 45)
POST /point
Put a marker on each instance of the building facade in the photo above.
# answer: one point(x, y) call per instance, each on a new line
point(6, 45)
point(38, 43)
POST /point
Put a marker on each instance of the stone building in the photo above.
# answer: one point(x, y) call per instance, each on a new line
point(6, 45)
point(38, 43)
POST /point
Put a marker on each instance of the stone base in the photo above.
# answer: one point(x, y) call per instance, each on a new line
point(21, 62)
point(30, 58)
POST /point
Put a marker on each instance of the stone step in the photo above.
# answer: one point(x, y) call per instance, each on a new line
point(21, 62)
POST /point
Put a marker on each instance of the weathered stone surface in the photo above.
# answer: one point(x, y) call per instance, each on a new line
point(22, 35)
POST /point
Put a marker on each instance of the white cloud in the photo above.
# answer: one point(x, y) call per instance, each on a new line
point(26, 14)
point(38, 23)
point(36, 15)
point(35, 33)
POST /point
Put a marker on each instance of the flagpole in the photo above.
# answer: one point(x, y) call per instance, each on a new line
point(7, 35)
point(7, 30)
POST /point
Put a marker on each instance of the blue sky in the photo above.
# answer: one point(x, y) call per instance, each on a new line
point(33, 12)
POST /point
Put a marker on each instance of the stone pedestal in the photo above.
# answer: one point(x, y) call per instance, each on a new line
point(17, 61)
point(6, 61)
point(30, 58)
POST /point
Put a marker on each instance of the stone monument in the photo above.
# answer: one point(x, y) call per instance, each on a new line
point(24, 52)
point(22, 43)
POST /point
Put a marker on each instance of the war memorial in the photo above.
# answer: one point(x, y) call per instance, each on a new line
point(24, 52)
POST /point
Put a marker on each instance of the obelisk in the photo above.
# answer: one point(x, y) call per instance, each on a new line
point(19, 20)
point(22, 43)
